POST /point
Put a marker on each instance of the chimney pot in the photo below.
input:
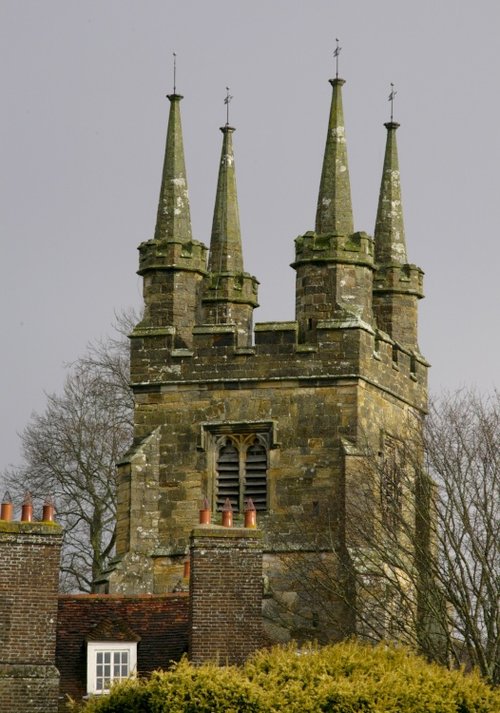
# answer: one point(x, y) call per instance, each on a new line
point(227, 514)
point(250, 514)
point(27, 508)
point(205, 514)
point(6, 507)
point(48, 510)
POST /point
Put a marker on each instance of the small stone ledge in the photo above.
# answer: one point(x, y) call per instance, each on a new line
point(152, 332)
point(215, 329)
point(345, 323)
point(181, 353)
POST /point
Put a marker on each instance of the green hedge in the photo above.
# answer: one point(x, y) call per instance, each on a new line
point(342, 678)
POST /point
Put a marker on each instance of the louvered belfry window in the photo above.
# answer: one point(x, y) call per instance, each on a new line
point(228, 476)
point(241, 471)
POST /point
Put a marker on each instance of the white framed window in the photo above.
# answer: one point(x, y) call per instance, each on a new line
point(109, 662)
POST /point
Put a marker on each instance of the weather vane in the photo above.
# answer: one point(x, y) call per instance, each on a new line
point(336, 53)
point(226, 102)
point(391, 99)
point(175, 68)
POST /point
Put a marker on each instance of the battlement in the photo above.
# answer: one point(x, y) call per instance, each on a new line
point(235, 287)
point(356, 248)
point(404, 279)
point(170, 254)
point(347, 348)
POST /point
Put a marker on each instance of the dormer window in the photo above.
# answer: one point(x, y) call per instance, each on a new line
point(111, 655)
point(109, 662)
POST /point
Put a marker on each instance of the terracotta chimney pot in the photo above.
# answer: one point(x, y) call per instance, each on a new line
point(227, 514)
point(48, 510)
point(27, 508)
point(205, 514)
point(6, 507)
point(250, 514)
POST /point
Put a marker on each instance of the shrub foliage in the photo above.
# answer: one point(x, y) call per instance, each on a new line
point(341, 678)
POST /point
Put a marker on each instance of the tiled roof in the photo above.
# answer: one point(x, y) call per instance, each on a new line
point(158, 622)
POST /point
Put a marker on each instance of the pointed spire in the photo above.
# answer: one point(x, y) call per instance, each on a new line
point(174, 219)
point(334, 211)
point(390, 245)
point(225, 244)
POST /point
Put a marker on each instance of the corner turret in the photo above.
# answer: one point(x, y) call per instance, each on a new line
point(334, 265)
point(397, 284)
point(172, 264)
point(230, 294)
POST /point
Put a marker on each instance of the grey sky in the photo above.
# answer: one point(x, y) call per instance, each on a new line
point(82, 136)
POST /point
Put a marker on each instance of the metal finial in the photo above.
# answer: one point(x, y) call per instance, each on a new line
point(175, 70)
point(226, 102)
point(391, 99)
point(336, 53)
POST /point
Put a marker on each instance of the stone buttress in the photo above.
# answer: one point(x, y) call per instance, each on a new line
point(281, 418)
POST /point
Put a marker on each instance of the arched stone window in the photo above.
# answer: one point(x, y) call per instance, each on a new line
point(241, 465)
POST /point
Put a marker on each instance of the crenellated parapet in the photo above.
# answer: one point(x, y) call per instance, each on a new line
point(172, 255)
point(345, 349)
point(240, 287)
point(356, 249)
point(404, 279)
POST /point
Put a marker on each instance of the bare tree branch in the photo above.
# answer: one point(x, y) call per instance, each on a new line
point(70, 451)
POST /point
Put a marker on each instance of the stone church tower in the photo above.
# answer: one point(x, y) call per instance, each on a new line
point(277, 412)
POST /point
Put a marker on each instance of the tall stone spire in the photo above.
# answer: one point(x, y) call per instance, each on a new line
point(390, 245)
point(225, 245)
point(397, 284)
point(230, 293)
point(172, 264)
point(334, 211)
point(173, 221)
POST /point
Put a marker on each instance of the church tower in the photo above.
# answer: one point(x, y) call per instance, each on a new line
point(281, 415)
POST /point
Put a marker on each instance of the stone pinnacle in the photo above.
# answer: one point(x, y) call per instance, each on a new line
point(334, 211)
point(173, 222)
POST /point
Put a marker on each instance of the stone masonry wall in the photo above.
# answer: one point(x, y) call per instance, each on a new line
point(225, 595)
point(29, 556)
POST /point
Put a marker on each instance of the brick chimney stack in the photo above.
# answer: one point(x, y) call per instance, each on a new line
point(29, 573)
point(225, 594)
